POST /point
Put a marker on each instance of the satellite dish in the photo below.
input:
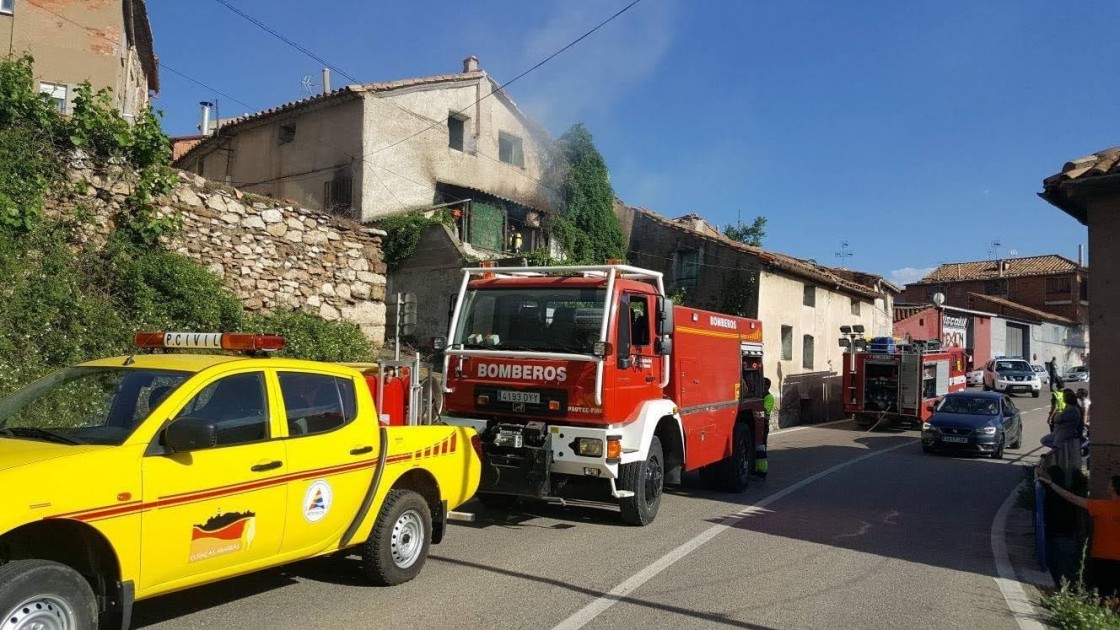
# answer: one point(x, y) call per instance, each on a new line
point(938, 299)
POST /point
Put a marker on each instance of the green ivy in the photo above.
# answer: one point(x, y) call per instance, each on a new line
point(403, 233)
point(587, 227)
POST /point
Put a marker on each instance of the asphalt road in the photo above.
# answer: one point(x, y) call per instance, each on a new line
point(853, 529)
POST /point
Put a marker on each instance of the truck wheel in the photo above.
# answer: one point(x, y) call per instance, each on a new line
point(733, 474)
point(44, 594)
point(398, 545)
point(497, 501)
point(646, 480)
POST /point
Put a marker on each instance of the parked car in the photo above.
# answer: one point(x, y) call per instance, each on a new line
point(975, 377)
point(1079, 374)
point(980, 423)
point(1010, 376)
point(1043, 375)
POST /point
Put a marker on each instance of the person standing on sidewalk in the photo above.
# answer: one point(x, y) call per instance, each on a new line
point(1104, 555)
point(761, 465)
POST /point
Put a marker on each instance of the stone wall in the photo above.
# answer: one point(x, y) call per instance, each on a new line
point(273, 255)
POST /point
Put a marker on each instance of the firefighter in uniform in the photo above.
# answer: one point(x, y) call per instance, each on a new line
point(761, 466)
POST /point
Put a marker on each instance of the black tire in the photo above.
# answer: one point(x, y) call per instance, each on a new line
point(646, 479)
point(733, 474)
point(33, 590)
point(497, 502)
point(863, 422)
point(998, 453)
point(1018, 440)
point(986, 388)
point(1034, 394)
point(391, 555)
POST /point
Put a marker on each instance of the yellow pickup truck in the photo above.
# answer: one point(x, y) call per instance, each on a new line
point(131, 477)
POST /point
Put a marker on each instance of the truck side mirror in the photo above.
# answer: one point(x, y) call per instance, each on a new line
point(664, 345)
point(664, 316)
point(190, 434)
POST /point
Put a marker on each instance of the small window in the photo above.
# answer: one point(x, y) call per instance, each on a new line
point(855, 307)
point(686, 268)
point(639, 321)
point(287, 133)
point(1084, 289)
point(316, 403)
point(510, 150)
point(7, 6)
point(337, 194)
point(810, 298)
point(456, 132)
point(807, 352)
point(236, 404)
point(1060, 286)
point(57, 93)
point(787, 343)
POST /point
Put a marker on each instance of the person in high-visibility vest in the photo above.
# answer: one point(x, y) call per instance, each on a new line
point(761, 466)
point(515, 240)
point(1057, 406)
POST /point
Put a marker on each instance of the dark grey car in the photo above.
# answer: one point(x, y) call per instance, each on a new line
point(981, 423)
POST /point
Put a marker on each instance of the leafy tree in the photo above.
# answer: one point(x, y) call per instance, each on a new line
point(588, 228)
point(747, 234)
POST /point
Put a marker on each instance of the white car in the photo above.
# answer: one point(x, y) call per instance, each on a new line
point(1011, 376)
point(1079, 374)
point(975, 377)
point(1043, 375)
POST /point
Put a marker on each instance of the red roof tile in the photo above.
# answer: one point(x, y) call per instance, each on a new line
point(1001, 306)
point(1091, 169)
point(1012, 267)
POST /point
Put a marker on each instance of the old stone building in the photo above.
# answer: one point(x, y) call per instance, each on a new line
point(108, 43)
point(801, 304)
point(375, 149)
point(1053, 284)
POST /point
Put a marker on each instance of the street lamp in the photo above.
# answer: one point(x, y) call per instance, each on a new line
point(939, 303)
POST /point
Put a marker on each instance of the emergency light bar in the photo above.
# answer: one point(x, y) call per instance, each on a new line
point(244, 342)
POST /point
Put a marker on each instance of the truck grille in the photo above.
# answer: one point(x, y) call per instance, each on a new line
point(955, 431)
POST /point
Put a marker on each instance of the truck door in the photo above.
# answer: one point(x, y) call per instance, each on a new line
point(638, 367)
point(217, 510)
point(332, 448)
point(910, 382)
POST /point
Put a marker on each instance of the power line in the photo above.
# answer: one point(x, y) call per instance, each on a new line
point(161, 64)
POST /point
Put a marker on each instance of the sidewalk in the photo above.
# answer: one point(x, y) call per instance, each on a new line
point(1019, 537)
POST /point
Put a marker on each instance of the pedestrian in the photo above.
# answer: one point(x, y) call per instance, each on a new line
point(1065, 436)
point(1083, 400)
point(1057, 406)
point(1052, 369)
point(761, 466)
point(1062, 549)
point(1104, 554)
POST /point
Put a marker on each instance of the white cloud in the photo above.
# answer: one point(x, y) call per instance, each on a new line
point(906, 275)
point(592, 75)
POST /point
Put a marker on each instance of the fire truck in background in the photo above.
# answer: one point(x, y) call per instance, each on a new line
point(890, 382)
point(587, 382)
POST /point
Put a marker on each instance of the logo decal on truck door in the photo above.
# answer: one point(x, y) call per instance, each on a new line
point(222, 534)
point(317, 501)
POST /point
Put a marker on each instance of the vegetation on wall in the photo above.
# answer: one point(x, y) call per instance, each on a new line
point(61, 304)
point(739, 294)
point(403, 233)
point(587, 226)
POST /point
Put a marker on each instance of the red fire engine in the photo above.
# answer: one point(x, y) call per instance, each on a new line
point(895, 383)
point(586, 381)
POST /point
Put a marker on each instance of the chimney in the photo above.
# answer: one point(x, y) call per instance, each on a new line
point(326, 80)
point(1080, 256)
point(204, 123)
point(470, 64)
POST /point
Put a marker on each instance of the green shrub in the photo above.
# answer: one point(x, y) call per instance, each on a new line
point(313, 338)
point(1072, 607)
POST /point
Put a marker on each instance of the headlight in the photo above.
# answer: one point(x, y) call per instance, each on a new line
point(927, 426)
point(589, 447)
point(986, 431)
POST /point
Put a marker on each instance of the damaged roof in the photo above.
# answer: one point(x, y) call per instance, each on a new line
point(1065, 189)
point(1001, 306)
point(695, 226)
point(1046, 265)
point(139, 29)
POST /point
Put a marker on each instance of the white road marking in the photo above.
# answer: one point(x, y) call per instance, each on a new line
point(589, 612)
point(1012, 589)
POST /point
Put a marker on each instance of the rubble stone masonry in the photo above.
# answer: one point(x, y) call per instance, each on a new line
point(272, 254)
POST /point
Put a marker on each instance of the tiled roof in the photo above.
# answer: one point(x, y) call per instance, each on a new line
point(1012, 268)
point(352, 91)
point(1086, 170)
point(866, 279)
point(789, 264)
point(906, 311)
point(181, 145)
point(1001, 306)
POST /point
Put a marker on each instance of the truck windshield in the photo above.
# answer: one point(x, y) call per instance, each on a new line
point(94, 405)
point(544, 320)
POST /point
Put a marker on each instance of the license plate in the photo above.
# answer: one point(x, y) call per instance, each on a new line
point(954, 439)
point(533, 398)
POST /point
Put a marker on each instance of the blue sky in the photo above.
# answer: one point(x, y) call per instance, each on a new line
point(917, 132)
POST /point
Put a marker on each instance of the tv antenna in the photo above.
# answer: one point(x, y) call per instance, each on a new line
point(993, 251)
point(844, 254)
point(307, 85)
